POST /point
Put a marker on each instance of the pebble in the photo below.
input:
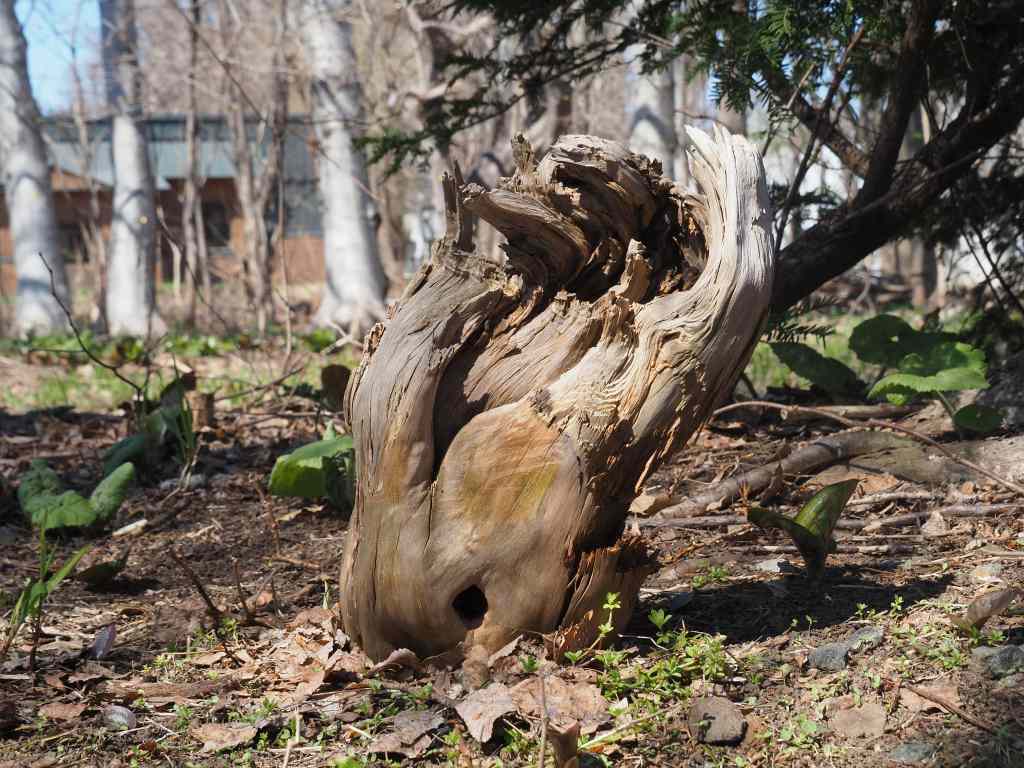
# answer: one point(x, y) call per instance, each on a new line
point(716, 720)
point(829, 658)
point(1003, 661)
point(913, 752)
point(771, 565)
point(865, 639)
point(987, 573)
point(195, 481)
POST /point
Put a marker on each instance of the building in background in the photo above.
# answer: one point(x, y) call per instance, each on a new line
point(78, 172)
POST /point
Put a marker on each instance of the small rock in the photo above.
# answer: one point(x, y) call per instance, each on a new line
point(829, 658)
point(771, 565)
point(988, 573)
point(195, 481)
point(860, 722)
point(1012, 682)
point(913, 752)
point(865, 639)
point(1004, 661)
point(716, 720)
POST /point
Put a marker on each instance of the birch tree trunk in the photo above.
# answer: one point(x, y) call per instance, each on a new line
point(131, 290)
point(507, 411)
point(650, 110)
point(27, 190)
point(355, 286)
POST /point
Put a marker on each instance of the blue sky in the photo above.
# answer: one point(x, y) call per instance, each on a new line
point(49, 27)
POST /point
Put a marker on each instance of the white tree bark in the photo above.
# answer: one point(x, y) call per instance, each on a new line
point(131, 300)
point(27, 191)
point(355, 286)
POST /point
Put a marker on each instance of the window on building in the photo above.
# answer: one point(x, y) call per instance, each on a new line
point(72, 244)
point(216, 225)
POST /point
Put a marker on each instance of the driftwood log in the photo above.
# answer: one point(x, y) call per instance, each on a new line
point(507, 410)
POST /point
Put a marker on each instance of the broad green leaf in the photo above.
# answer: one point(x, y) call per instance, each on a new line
point(978, 418)
point(827, 373)
point(66, 510)
point(896, 386)
point(886, 339)
point(131, 449)
point(881, 340)
point(305, 471)
point(108, 496)
point(39, 480)
point(943, 356)
point(811, 529)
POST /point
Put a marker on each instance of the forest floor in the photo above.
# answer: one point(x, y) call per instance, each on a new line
point(133, 671)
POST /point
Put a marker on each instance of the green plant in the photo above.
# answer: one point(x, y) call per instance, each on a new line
point(716, 574)
point(324, 468)
point(528, 663)
point(34, 594)
point(811, 529)
point(47, 506)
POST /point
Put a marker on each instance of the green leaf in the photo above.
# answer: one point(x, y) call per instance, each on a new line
point(67, 510)
point(131, 449)
point(306, 471)
point(978, 418)
point(39, 480)
point(827, 373)
point(69, 565)
point(944, 355)
point(898, 387)
point(881, 340)
point(811, 529)
point(108, 496)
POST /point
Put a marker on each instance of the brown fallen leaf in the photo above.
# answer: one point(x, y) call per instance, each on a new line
point(943, 689)
point(566, 703)
point(935, 525)
point(481, 709)
point(866, 721)
point(220, 736)
point(60, 711)
point(985, 607)
point(408, 733)
point(398, 659)
point(476, 669)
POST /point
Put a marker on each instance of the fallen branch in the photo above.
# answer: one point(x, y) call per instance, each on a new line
point(956, 510)
point(879, 424)
point(819, 453)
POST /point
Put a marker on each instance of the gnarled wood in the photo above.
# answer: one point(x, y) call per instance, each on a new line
point(504, 414)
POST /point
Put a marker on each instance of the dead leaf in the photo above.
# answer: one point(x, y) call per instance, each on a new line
point(59, 711)
point(90, 673)
point(860, 722)
point(476, 670)
point(505, 650)
point(985, 607)
point(482, 708)
point(397, 659)
point(935, 525)
point(408, 733)
point(221, 736)
point(318, 616)
point(566, 703)
point(54, 681)
point(943, 689)
point(102, 643)
point(207, 659)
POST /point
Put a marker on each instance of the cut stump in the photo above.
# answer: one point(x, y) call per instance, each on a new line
point(505, 414)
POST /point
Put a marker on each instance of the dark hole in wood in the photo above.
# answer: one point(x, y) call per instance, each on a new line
point(471, 605)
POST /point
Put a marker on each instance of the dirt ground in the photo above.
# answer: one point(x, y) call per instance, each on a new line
point(744, 635)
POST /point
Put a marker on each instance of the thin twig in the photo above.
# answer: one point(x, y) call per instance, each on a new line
point(878, 424)
point(215, 613)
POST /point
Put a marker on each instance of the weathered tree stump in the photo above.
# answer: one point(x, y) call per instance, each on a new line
point(505, 413)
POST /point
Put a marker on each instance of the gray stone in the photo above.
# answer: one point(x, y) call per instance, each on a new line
point(913, 752)
point(715, 720)
point(829, 658)
point(865, 639)
point(771, 565)
point(1005, 661)
point(1012, 682)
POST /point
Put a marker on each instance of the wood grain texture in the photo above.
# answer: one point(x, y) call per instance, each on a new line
point(504, 413)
